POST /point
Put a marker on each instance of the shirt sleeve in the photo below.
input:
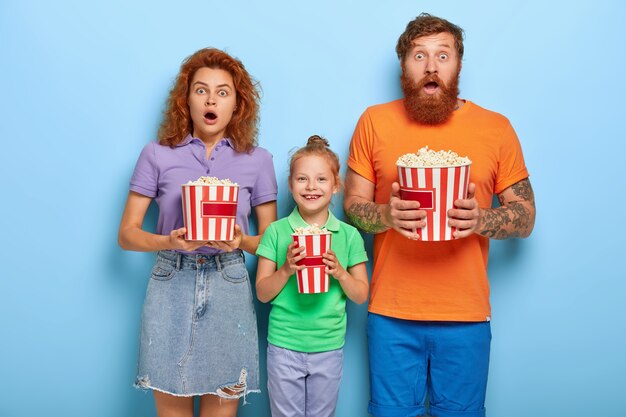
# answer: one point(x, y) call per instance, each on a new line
point(356, 251)
point(265, 189)
point(268, 245)
point(511, 166)
point(360, 159)
point(146, 175)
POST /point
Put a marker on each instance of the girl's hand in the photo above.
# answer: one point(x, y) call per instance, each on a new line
point(333, 267)
point(294, 255)
point(177, 241)
point(230, 245)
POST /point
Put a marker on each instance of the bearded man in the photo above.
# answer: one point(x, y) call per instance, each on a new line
point(428, 323)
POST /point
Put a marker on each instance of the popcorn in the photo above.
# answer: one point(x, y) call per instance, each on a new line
point(313, 278)
point(435, 180)
point(211, 181)
point(313, 229)
point(210, 208)
point(428, 158)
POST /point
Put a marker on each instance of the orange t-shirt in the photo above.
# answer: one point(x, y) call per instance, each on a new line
point(439, 281)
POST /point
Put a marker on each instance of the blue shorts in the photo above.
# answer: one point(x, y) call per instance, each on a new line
point(408, 359)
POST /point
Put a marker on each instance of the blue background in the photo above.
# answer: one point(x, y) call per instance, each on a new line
point(83, 85)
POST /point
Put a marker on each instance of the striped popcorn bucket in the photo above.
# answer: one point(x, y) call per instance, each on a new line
point(313, 279)
point(209, 211)
point(435, 188)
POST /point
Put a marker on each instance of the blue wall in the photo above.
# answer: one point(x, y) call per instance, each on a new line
point(82, 87)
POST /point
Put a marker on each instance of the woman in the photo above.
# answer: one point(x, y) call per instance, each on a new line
point(198, 333)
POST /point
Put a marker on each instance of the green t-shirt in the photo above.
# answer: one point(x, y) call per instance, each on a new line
point(310, 322)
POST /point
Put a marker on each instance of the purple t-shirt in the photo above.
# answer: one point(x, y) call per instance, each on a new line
point(161, 170)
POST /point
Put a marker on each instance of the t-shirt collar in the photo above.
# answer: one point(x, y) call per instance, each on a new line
point(186, 141)
point(295, 220)
point(189, 138)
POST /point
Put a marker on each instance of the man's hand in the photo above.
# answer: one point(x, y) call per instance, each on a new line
point(514, 218)
point(403, 216)
point(465, 215)
point(364, 213)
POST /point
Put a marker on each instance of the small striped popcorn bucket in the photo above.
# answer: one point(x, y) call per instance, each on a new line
point(435, 188)
point(313, 279)
point(210, 211)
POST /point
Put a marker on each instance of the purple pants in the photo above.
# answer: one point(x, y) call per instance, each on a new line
point(303, 384)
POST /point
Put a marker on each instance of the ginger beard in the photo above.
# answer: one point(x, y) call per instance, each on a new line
point(430, 109)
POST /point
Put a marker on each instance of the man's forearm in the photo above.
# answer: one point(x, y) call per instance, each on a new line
point(513, 220)
point(367, 216)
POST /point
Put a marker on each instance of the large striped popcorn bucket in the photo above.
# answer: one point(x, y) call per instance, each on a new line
point(312, 279)
point(210, 211)
point(435, 188)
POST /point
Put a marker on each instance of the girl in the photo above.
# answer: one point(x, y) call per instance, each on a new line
point(199, 331)
point(306, 331)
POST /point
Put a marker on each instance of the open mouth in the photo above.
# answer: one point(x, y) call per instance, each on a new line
point(431, 87)
point(210, 116)
point(311, 197)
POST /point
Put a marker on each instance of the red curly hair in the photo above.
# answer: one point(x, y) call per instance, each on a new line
point(243, 127)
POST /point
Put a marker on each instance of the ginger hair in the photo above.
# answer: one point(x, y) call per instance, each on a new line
point(424, 25)
point(243, 127)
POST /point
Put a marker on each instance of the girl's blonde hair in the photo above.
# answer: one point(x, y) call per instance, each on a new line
point(317, 145)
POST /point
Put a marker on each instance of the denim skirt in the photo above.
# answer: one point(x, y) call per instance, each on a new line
point(198, 327)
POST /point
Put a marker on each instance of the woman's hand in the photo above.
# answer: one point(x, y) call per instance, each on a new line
point(178, 242)
point(132, 237)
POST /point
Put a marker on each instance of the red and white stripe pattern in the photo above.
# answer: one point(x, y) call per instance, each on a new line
point(313, 279)
point(210, 211)
point(436, 189)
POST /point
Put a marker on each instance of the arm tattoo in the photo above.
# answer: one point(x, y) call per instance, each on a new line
point(513, 218)
point(496, 222)
point(367, 217)
point(523, 190)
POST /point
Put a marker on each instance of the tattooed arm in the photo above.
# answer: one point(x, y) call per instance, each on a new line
point(372, 217)
point(514, 218)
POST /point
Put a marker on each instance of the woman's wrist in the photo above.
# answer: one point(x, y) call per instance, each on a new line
point(250, 243)
point(166, 242)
